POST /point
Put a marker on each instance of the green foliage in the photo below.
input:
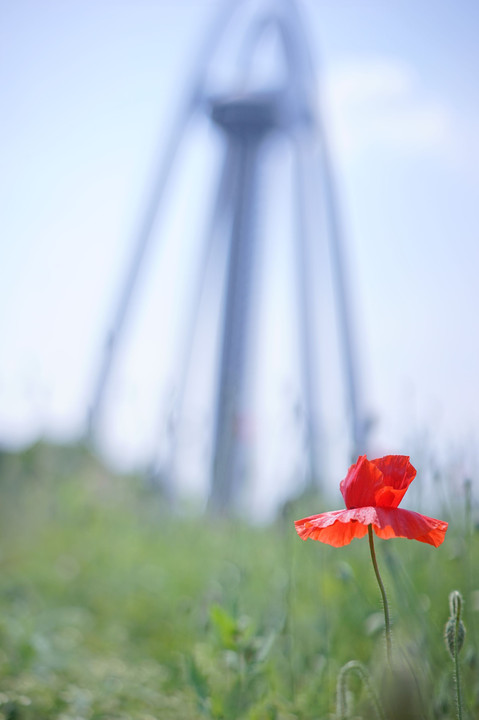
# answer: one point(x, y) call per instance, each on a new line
point(113, 607)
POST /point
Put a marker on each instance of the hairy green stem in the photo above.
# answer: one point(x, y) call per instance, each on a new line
point(456, 669)
point(387, 623)
point(342, 710)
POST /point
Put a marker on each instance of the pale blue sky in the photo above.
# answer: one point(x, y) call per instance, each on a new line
point(89, 90)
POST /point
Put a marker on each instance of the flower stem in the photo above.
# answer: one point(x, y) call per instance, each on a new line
point(387, 623)
point(454, 636)
point(342, 710)
point(456, 670)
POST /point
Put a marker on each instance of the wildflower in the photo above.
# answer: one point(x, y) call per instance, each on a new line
point(372, 491)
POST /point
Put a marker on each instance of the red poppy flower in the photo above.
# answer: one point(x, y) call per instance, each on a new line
point(372, 491)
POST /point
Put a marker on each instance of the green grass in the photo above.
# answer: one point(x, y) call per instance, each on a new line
point(111, 607)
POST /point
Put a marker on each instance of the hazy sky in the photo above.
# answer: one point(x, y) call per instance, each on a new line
point(89, 91)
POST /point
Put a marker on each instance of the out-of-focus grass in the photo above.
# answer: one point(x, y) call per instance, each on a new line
point(113, 607)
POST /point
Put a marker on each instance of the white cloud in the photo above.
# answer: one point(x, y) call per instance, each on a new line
point(380, 103)
point(360, 81)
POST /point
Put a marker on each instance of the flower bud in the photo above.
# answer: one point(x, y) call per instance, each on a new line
point(450, 636)
point(454, 632)
point(455, 603)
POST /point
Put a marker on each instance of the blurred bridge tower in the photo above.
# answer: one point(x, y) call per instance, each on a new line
point(246, 118)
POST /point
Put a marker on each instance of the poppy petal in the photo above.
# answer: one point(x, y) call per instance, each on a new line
point(339, 527)
point(396, 522)
point(362, 483)
point(336, 528)
point(398, 474)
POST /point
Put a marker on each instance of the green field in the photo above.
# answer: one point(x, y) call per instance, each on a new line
point(112, 607)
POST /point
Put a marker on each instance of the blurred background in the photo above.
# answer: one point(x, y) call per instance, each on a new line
point(92, 96)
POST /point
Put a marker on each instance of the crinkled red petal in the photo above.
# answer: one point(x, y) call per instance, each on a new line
point(362, 483)
point(335, 528)
point(396, 522)
point(339, 527)
point(377, 483)
point(398, 474)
